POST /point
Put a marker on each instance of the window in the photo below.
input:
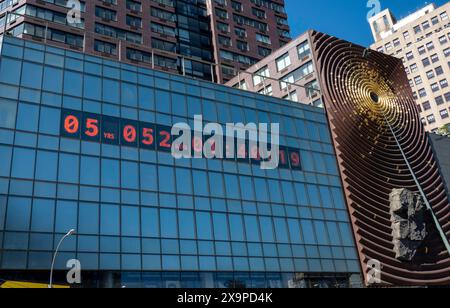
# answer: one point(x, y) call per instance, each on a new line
point(42, 215)
point(303, 50)
point(31, 75)
point(226, 41)
point(406, 35)
point(447, 97)
point(105, 47)
point(263, 39)
point(105, 14)
point(409, 56)
point(431, 119)
point(444, 16)
point(221, 13)
point(134, 22)
point(283, 62)
point(237, 6)
point(259, 76)
point(241, 45)
point(439, 70)
point(23, 163)
point(164, 45)
point(434, 20)
point(426, 106)
point(88, 218)
point(242, 33)
point(447, 52)
point(434, 87)
point(241, 85)
point(443, 113)
point(439, 100)
point(396, 42)
point(418, 80)
point(118, 33)
point(223, 27)
point(227, 70)
point(186, 224)
point(163, 30)
point(204, 228)
point(443, 83)
point(434, 58)
point(18, 216)
point(430, 74)
point(168, 221)
point(310, 88)
point(298, 74)
point(417, 29)
point(7, 112)
point(421, 50)
point(130, 221)
point(259, 13)
point(388, 46)
point(266, 90)
point(414, 68)
point(426, 25)
point(443, 40)
point(293, 96)
point(426, 62)
point(134, 6)
point(422, 93)
point(430, 46)
point(163, 15)
point(264, 52)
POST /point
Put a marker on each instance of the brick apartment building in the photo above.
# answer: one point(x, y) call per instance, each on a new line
point(193, 38)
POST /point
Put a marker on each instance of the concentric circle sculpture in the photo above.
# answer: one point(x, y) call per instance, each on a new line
point(373, 117)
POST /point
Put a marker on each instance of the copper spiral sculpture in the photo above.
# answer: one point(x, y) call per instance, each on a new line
point(368, 100)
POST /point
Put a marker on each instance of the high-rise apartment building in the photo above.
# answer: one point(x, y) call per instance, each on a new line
point(289, 73)
point(245, 32)
point(173, 35)
point(422, 40)
point(206, 39)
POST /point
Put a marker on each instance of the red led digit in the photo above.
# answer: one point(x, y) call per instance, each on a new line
point(71, 124)
point(295, 159)
point(197, 145)
point(255, 153)
point(282, 157)
point(166, 137)
point(147, 136)
point(212, 146)
point(129, 133)
point(242, 151)
point(92, 127)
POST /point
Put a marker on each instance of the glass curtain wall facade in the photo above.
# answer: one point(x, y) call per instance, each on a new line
point(142, 217)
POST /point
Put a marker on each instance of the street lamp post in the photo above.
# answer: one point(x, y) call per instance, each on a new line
point(71, 232)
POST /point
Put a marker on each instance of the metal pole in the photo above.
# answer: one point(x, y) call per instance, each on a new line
point(424, 197)
point(212, 72)
point(50, 285)
point(46, 30)
point(183, 68)
point(153, 59)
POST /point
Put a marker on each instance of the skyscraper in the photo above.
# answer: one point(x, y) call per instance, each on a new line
point(422, 40)
point(185, 37)
point(246, 31)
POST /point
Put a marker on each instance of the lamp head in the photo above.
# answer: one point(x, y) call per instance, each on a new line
point(71, 232)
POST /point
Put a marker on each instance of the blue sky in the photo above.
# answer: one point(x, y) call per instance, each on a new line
point(324, 15)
